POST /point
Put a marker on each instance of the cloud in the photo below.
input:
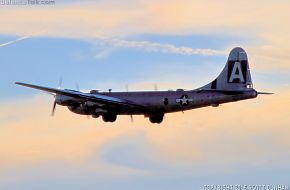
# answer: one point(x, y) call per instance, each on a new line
point(89, 19)
point(153, 47)
point(232, 140)
point(253, 132)
point(31, 136)
point(264, 22)
point(249, 132)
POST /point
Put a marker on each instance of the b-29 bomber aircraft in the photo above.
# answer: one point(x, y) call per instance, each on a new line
point(233, 84)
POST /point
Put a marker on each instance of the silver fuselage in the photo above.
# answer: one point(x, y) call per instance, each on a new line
point(155, 100)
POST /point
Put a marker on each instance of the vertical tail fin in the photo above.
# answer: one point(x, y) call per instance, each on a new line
point(235, 75)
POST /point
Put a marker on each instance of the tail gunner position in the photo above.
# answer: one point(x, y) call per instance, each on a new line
point(233, 84)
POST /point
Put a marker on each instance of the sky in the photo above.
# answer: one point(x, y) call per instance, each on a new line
point(104, 44)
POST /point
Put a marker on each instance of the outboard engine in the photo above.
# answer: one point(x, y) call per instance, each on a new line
point(64, 100)
point(85, 108)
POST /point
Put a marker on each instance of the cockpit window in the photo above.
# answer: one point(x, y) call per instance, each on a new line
point(249, 85)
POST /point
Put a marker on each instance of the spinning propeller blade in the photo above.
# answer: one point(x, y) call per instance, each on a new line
point(54, 103)
point(53, 108)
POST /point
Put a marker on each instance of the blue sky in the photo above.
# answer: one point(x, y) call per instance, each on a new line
point(45, 60)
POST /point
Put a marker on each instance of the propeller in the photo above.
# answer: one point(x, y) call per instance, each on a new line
point(78, 89)
point(59, 83)
point(53, 108)
point(131, 116)
point(155, 87)
point(127, 87)
point(54, 103)
point(131, 119)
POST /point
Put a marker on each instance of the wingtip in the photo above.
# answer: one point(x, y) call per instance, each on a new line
point(18, 83)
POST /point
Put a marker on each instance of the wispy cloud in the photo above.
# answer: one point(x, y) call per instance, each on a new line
point(21, 39)
point(149, 46)
point(14, 41)
point(217, 143)
point(23, 139)
point(264, 22)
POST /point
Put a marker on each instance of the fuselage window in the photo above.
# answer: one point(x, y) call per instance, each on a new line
point(165, 101)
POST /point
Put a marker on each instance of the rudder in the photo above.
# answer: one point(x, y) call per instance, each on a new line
point(235, 75)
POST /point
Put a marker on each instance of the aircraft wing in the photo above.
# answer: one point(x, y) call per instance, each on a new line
point(83, 97)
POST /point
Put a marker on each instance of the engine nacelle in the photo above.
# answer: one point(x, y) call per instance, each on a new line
point(64, 100)
point(86, 108)
point(215, 105)
point(79, 109)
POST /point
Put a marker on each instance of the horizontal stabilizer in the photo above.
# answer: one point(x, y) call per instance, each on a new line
point(265, 93)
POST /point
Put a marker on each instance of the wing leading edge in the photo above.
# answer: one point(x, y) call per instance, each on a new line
point(98, 98)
